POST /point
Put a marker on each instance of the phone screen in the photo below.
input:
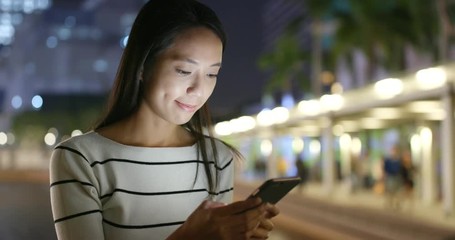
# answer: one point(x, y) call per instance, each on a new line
point(273, 190)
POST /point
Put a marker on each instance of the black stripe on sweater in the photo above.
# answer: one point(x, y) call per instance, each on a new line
point(225, 166)
point(77, 215)
point(139, 162)
point(221, 192)
point(164, 193)
point(74, 151)
point(142, 226)
point(71, 181)
point(157, 163)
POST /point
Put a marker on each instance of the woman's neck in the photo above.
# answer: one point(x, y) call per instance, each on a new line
point(137, 130)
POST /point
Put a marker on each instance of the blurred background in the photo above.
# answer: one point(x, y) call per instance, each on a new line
point(356, 97)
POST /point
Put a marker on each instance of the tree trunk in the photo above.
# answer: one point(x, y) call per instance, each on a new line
point(316, 55)
point(441, 8)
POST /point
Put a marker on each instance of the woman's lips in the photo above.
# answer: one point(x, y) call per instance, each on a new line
point(187, 107)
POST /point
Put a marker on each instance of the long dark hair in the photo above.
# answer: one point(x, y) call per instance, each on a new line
point(155, 28)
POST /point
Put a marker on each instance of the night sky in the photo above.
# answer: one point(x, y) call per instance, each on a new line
point(240, 82)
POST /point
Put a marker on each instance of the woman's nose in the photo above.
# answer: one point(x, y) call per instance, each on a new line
point(195, 88)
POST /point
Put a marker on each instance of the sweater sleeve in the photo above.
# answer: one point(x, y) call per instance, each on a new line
point(226, 177)
point(76, 207)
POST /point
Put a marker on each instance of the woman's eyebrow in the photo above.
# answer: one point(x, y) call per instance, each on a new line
point(192, 61)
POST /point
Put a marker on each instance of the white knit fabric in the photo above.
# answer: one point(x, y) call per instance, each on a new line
point(101, 189)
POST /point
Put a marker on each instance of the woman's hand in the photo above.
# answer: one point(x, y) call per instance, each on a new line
point(248, 219)
point(266, 225)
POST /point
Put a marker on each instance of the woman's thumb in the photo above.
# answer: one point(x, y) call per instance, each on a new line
point(207, 204)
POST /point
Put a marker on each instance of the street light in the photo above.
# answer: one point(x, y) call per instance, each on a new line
point(11, 14)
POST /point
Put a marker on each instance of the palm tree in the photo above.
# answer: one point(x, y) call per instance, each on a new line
point(447, 29)
point(285, 63)
point(380, 29)
point(318, 10)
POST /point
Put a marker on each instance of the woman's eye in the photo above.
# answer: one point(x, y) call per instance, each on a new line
point(182, 72)
point(212, 75)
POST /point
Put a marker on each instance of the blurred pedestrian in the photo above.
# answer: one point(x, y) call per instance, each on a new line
point(302, 171)
point(364, 170)
point(392, 166)
point(407, 175)
point(148, 170)
point(260, 167)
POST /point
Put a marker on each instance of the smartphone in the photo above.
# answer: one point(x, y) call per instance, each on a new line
point(273, 190)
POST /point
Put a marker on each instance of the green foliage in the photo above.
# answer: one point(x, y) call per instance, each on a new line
point(65, 112)
point(286, 64)
point(34, 124)
point(319, 9)
point(382, 29)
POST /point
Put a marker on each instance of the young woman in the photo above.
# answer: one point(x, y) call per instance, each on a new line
point(148, 171)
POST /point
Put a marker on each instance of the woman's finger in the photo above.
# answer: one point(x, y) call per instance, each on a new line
point(272, 210)
point(211, 204)
point(238, 207)
point(260, 233)
point(246, 221)
point(266, 224)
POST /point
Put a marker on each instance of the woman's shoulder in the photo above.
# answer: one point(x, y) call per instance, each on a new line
point(82, 146)
point(224, 151)
point(87, 143)
point(87, 138)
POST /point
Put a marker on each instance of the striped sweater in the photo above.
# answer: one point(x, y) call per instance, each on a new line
point(101, 189)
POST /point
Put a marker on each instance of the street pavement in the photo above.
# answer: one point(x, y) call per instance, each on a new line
point(314, 215)
point(25, 211)
point(25, 214)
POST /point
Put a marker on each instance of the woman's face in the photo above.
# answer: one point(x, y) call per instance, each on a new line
point(184, 76)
